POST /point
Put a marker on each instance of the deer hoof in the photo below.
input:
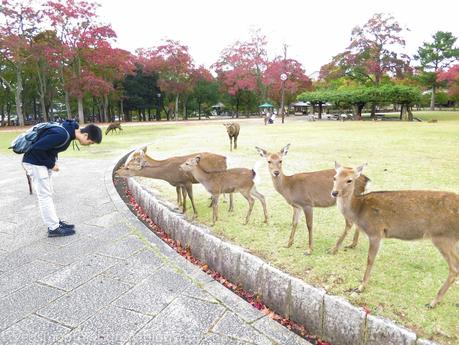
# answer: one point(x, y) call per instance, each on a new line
point(333, 251)
point(307, 252)
point(351, 246)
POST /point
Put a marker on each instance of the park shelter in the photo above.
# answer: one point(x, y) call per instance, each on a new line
point(300, 107)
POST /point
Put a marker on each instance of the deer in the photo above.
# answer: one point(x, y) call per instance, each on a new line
point(140, 164)
point(233, 129)
point(304, 191)
point(405, 215)
point(228, 181)
point(113, 127)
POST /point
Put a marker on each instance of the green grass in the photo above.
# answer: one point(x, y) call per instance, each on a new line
point(400, 155)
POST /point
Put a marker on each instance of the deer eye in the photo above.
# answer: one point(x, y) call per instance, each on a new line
point(269, 162)
point(280, 161)
point(334, 178)
point(348, 181)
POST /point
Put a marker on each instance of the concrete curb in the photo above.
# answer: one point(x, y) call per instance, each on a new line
point(330, 317)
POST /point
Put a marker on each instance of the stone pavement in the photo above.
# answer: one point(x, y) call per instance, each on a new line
point(114, 282)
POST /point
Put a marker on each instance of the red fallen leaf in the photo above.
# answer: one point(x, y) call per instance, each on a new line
point(366, 310)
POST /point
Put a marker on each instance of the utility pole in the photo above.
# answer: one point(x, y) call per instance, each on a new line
point(283, 78)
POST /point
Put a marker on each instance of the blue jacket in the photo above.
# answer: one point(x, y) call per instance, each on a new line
point(44, 151)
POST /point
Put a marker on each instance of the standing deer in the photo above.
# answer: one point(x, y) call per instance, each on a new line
point(113, 127)
point(228, 181)
point(140, 164)
point(304, 191)
point(233, 129)
point(406, 215)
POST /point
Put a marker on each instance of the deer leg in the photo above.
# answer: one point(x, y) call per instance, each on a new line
point(179, 196)
point(231, 143)
point(375, 242)
point(309, 217)
point(355, 240)
point(189, 190)
point(296, 218)
point(447, 248)
point(260, 197)
point(214, 208)
point(251, 201)
point(182, 188)
point(348, 226)
point(231, 205)
point(235, 142)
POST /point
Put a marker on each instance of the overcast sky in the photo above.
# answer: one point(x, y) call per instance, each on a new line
point(314, 31)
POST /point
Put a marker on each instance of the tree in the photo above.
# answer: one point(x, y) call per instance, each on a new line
point(241, 66)
point(358, 97)
point(76, 28)
point(371, 54)
point(205, 89)
point(17, 29)
point(296, 81)
point(174, 65)
point(437, 56)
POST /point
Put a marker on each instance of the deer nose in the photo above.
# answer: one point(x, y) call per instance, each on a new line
point(276, 173)
point(334, 193)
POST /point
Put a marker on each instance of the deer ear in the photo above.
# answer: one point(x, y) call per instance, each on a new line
point(337, 166)
point(284, 150)
point(263, 153)
point(359, 169)
point(144, 148)
point(197, 159)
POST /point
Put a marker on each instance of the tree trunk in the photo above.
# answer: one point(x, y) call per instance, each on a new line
point(320, 110)
point(18, 96)
point(358, 111)
point(176, 106)
point(121, 108)
point(106, 117)
point(67, 104)
point(80, 110)
point(373, 110)
point(405, 113)
point(432, 98)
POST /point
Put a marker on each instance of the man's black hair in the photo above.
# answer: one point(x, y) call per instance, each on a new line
point(94, 132)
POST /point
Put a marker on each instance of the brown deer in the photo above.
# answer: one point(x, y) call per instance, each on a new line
point(140, 164)
point(406, 215)
point(304, 191)
point(113, 127)
point(233, 129)
point(228, 181)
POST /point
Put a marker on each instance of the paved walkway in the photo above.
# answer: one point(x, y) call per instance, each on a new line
point(114, 282)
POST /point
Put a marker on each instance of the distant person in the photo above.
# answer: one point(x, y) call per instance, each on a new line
point(268, 117)
point(40, 163)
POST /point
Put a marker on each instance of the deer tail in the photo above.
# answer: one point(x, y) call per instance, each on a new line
point(255, 174)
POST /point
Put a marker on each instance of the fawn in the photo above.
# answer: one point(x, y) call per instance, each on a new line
point(228, 181)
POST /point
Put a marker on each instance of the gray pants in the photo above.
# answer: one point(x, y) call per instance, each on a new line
point(41, 178)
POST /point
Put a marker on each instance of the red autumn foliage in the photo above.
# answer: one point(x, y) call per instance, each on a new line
point(452, 77)
point(297, 80)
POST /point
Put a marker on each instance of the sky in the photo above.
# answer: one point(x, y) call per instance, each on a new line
point(314, 31)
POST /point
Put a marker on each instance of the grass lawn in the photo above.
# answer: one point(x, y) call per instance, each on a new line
point(400, 155)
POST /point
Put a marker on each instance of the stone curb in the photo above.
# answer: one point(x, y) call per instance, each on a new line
point(332, 318)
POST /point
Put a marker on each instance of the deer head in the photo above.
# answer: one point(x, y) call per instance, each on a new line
point(344, 180)
point(190, 163)
point(135, 162)
point(274, 159)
